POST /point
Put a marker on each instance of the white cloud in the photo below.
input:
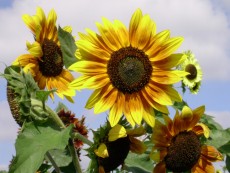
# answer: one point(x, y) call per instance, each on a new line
point(204, 27)
point(8, 128)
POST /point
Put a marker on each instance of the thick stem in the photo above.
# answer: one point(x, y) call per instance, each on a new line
point(82, 138)
point(57, 169)
point(75, 158)
point(55, 117)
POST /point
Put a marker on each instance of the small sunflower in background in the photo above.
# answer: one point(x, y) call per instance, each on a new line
point(178, 146)
point(45, 60)
point(68, 118)
point(112, 145)
point(193, 79)
point(132, 70)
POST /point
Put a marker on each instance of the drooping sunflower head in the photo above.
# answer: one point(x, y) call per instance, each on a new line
point(45, 60)
point(132, 70)
point(178, 146)
point(193, 79)
point(112, 145)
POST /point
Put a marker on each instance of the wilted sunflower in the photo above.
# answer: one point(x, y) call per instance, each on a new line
point(190, 65)
point(45, 60)
point(177, 145)
point(130, 70)
point(114, 151)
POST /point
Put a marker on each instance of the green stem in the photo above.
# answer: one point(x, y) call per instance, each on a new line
point(55, 117)
point(57, 169)
point(82, 138)
point(75, 158)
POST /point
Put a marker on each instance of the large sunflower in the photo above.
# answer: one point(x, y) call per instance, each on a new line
point(131, 71)
point(45, 60)
point(177, 144)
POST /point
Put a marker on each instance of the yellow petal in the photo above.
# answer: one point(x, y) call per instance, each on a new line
point(155, 156)
point(149, 115)
point(186, 113)
point(35, 49)
point(169, 47)
point(102, 151)
point(93, 99)
point(116, 110)
point(211, 153)
point(25, 59)
point(133, 25)
point(89, 67)
point(97, 81)
point(106, 102)
point(168, 77)
point(118, 131)
point(122, 33)
point(201, 129)
point(170, 62)
point(136, 131)
point(136, 108)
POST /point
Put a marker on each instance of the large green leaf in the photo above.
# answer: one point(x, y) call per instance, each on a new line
point(138, 163)
point(228, 163)
point(33, 143)
point(219, 138)
point(68, 47)
point(225, 148)
point(61, 157)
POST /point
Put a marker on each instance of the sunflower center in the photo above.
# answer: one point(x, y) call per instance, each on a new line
point(192, 70)
point(118, 151)
point(184, 152)
point(52, 61)
point(129, 69)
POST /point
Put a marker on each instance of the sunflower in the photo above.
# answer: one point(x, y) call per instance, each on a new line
point(191, 66)
point(196, 88)
point(177, 144)
point(112, 152)
point(132, 71)
point(45, 60)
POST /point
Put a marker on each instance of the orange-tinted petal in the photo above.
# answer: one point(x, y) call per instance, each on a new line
point(137, 146)
point(160, 168)
point(211, 153)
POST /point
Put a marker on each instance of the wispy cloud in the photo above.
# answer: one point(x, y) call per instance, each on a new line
point(204, 27)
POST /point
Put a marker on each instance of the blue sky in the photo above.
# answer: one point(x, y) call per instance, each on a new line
point(205, 26)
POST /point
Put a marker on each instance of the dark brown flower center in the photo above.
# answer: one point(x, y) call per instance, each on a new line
point(192, 70)
point(52, 61)
point(183, 152)
point(129, 69)
point(118, 151)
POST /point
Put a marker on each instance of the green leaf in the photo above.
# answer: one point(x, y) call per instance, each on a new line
point(67, 169)
point(219, 138)
point(210, 122)
point(68, 47)
point(225, 148)
point(61, 157)
point(180, 105)
point(33, 143)
point(60, 107)
point(228, 163)
point(141, 163)
point(43, 95)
